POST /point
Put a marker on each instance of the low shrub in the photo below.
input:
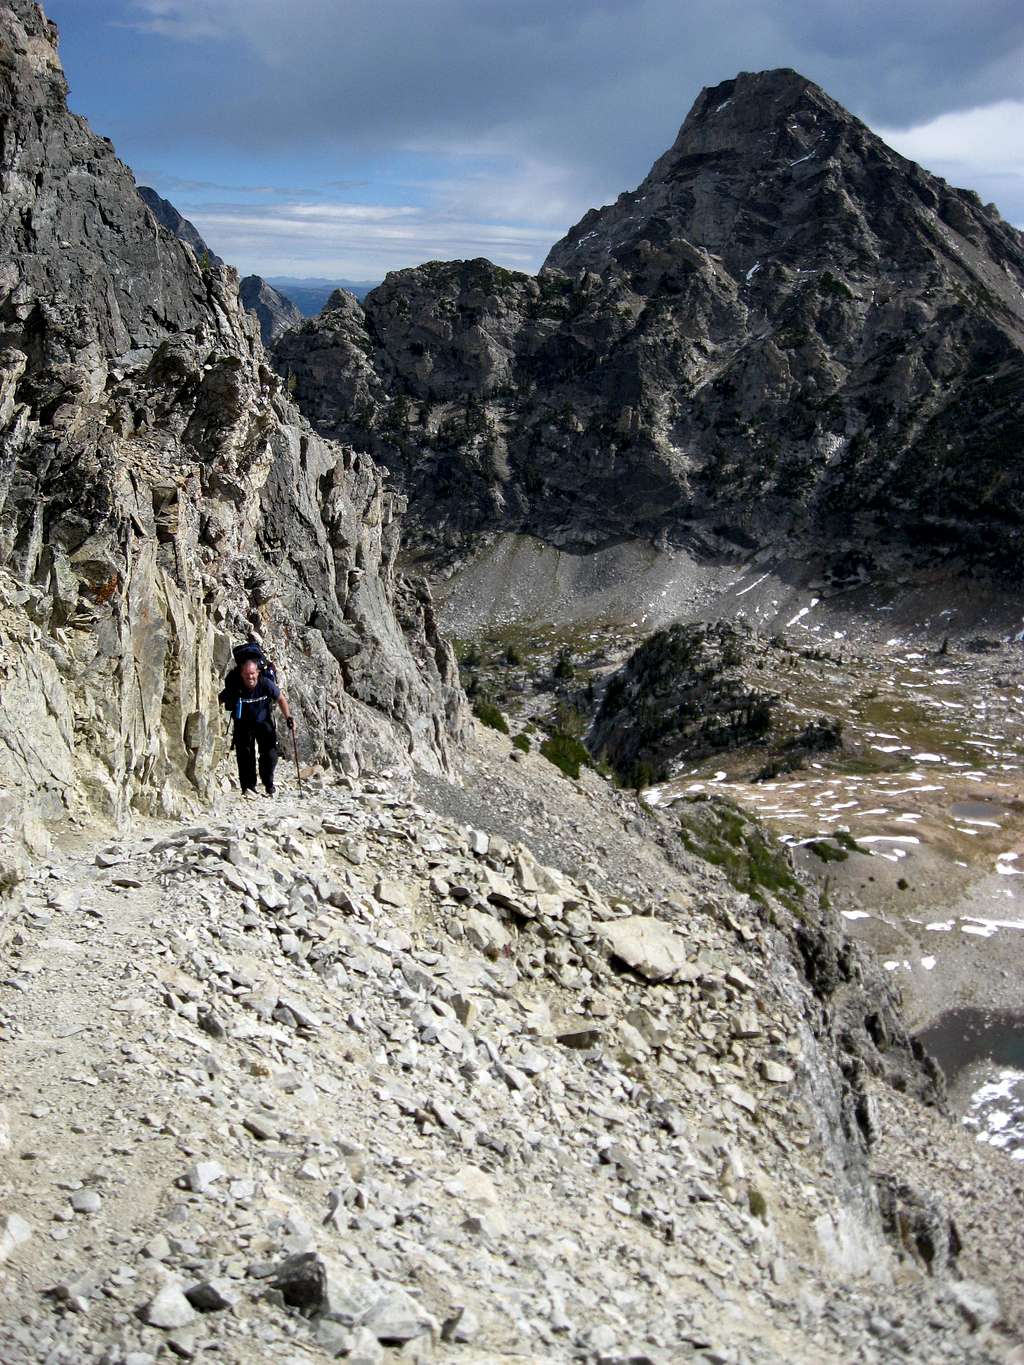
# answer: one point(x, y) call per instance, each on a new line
point(566, 753)
point(488, 714)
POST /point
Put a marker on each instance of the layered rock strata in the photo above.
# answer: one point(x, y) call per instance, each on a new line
point(160, 496)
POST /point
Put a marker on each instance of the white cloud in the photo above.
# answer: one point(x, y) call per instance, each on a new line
point(363, 241)
point(979, 149)
point(179, 19)
point(569, 104)
point(988, 138)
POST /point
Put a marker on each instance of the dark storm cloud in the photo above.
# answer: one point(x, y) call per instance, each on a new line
point(598, 86)
point(350, 137)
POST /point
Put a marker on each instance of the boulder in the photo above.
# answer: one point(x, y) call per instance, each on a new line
point(650, 946)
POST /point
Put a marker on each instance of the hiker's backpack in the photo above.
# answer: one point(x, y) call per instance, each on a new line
point(232, 688)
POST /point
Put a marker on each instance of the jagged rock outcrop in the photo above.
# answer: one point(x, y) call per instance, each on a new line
point(788, 335)
point(168, 216)
point(678, 698)
point(274, 312)
point(688, 692)
point(159, 496)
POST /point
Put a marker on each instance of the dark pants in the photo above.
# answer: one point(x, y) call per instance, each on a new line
point(264, 737)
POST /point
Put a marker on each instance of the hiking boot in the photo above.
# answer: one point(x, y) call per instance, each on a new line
point(269, 789)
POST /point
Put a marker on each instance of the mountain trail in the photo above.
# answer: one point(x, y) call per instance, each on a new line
point(347, 1075)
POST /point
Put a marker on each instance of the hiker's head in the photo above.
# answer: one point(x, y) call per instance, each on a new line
point(250, 672)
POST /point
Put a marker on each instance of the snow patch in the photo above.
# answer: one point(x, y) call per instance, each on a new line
point(803, 611)
point(889, 839)
point(996, 1115)
point(759, 580)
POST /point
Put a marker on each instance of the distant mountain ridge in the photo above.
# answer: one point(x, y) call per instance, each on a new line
point(788, 335)
point(276, 308)
point(274, 312)
point(310, 295)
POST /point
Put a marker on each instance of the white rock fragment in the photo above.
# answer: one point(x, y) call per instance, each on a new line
point(15, 1231)
point(201, 1177)
point(475, 1184)
point(169, 1309)
point(486, 933)
point(776, 1073)
point(740, 1097)
point(650, 946)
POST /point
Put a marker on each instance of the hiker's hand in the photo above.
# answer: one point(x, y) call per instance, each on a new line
point(290, 722)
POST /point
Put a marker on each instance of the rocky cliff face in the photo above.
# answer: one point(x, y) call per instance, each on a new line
point(788, 335)
point(159, 496)
point(274, 312)
point(168, 216)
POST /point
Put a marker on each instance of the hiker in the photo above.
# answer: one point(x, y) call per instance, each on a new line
point(252, 703)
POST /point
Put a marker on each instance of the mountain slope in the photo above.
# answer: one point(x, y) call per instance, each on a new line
point(168, 216)
point(787, 336)
point(160, 496)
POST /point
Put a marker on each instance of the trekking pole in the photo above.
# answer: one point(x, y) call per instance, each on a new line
point(295, 753)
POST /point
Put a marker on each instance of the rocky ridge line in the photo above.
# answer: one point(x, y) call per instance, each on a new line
point(274, 312)
point(787, 338)
point(168, 216)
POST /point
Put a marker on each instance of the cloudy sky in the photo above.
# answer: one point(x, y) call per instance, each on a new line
point(346, 138)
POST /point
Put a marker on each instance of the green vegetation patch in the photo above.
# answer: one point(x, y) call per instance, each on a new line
point(755, 863)
point(827, 852)
point(488, 714)
point(832, 287)
point(680, 697)
point(566, 753)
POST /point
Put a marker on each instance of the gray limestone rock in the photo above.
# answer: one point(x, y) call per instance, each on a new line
point(169, 1309)
point(650, 946)
point(15, 1231)
point(391, 893)
point(397, 1318)
point(86, 1201)
point(162, 498)
point(485, 932)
